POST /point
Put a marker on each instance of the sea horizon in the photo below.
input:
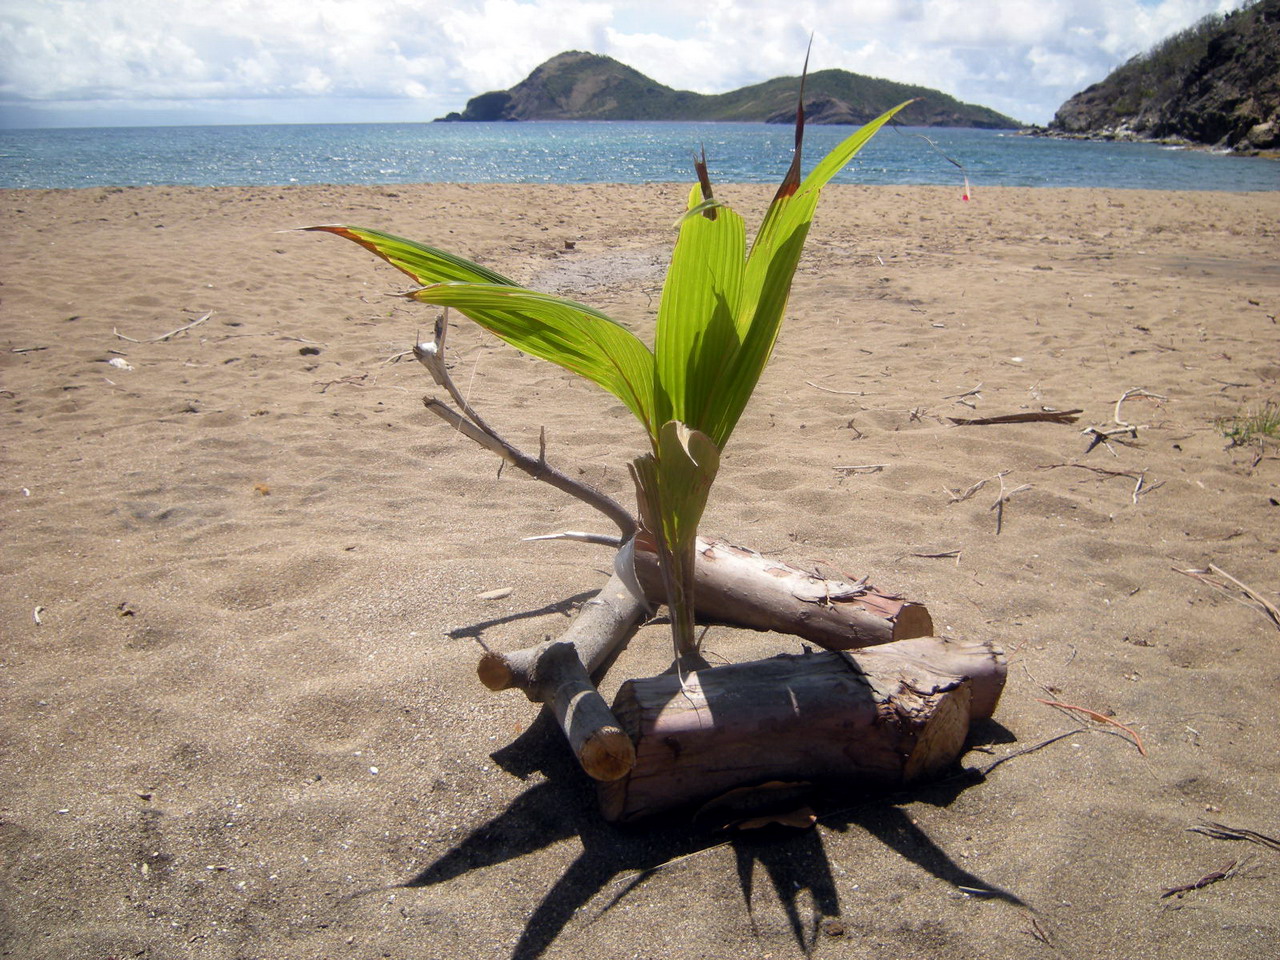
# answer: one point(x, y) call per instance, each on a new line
point(593, 152)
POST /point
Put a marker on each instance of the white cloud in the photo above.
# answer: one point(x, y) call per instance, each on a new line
point(325, 57)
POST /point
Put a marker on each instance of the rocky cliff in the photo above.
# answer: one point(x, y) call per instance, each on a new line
point(1217, 83)
point(586, 86)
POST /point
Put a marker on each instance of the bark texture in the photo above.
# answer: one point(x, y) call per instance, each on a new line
point(738, 586)
point(558, 673)
point(886, 717)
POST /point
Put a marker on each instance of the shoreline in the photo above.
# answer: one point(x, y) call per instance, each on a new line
point(1112, 135)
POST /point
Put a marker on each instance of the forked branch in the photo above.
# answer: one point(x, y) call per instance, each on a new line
point(467, 421)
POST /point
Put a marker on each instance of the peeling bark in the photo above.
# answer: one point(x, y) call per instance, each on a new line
point(884, 717)
point(737, 586)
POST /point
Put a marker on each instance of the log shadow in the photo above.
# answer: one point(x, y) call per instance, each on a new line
point(796, 863)
point(567, 606)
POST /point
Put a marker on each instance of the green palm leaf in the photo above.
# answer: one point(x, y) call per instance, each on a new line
point(696, 328)
point(718, 321)
point(425, 264)
point(573, 335)
point(767, 280)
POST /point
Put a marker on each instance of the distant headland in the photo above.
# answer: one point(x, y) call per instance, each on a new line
point(586, 86)
point(1217, 83)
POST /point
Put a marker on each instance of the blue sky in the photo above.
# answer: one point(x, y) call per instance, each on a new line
point(122, 62)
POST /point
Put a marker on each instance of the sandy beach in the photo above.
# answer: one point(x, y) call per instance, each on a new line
point(243, 571)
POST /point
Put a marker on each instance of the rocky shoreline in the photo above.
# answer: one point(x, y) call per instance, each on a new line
point(1213, 86)
point(1123, 133)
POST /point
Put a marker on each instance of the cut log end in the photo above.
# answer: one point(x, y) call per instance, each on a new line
point(912, 621)
point(943, 736)
point(494, 671)
point(608, 754)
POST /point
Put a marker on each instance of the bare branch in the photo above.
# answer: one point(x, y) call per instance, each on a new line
point(164, 336)
point(578, 536)
point(471, 424)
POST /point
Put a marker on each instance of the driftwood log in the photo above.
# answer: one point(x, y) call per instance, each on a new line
point(738, 586)
point(887, 716)
point(734, 585)
point(558, 673)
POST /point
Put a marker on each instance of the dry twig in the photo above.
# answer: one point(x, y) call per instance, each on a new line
point(467, 421)
point(1230, 870)
point(1122, 428)
point(1140, 476)
point(1252, 598)
point(1221, 831)
point(961, 497)
point(1001, 500)
point(1040, 933)
point(164, 336)
point(975, 391)
point(843, 393)
point(1025, 750)
point(1134, 392)
point(353, 380)
point(1100, 717)
point(1043, 416)
point(578, 536)
point(859, 467)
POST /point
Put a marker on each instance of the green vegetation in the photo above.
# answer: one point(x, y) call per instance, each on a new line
point(719, 316)
point(1263, 421)
point(1156, 76)
point(585, 86)
point(1216, 82)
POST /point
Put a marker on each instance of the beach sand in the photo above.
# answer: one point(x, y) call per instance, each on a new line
point(242, 578)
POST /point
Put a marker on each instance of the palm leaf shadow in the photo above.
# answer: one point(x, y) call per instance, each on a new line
point(563, 806)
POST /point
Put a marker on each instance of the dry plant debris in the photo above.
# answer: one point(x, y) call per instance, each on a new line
point(165, 336)
point(1215, 576)
point(1100, 717)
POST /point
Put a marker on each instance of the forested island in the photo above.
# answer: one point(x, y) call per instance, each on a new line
point(587, 86)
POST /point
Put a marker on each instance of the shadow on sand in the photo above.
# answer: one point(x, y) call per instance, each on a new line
point(563, 805)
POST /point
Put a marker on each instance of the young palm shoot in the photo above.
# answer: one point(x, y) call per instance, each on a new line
point(718, 320)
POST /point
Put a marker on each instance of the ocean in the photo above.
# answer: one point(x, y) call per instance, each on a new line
point(618, 152)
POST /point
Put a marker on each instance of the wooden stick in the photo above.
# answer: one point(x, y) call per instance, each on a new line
point(1271, 609)
point(1044, 416)
point(968, 393)
point(578, 536)
point(845, 393)
point(1220, 831)
point(1230, 870)
point(1259, 602)
point(1133, 392)
point(469, 422)
point(854, 468)
point(558, 673)
point(164, 336)
point(966, 494)
point(1001, 500)
point(1138, 476)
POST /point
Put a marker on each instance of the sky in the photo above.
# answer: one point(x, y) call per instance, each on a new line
point(142, 62)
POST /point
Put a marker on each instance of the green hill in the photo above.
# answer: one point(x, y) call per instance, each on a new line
point(586, 86)
point(1217, 82)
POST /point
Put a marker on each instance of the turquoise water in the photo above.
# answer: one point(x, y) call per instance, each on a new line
point(589, 153)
